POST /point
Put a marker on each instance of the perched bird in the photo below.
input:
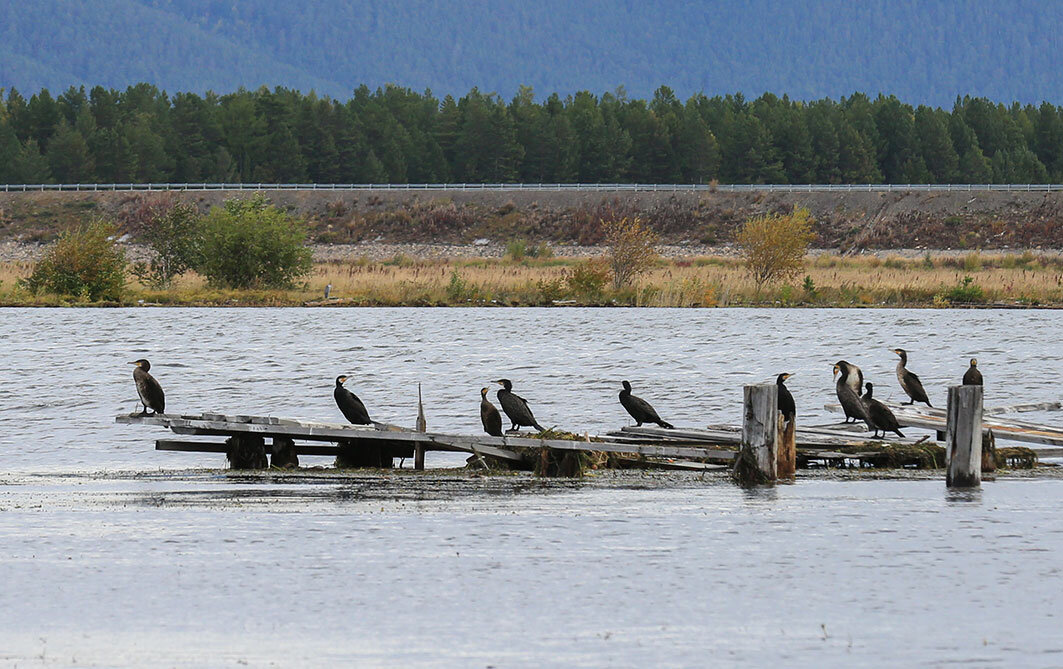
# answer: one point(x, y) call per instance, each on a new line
point(849, 398)
point(786, 400)
point(879, 416)
point(855, 378)
point(515, 407)
point(489, 415)
point(328, 290)
point(972, 377)
point(349, 404)
point(910, 383)
point(151, 395)
point(640, 409)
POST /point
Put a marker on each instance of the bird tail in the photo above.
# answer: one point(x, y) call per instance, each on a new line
point(539, 427)
point(929, 404)
point(899, 433)
point(667, 426)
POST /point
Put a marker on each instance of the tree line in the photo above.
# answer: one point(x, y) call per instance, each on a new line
point(396, 135)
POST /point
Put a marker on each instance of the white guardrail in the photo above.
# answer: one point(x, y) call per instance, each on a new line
point(726, 188)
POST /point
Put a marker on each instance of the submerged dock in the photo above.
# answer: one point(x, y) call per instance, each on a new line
point(713, 448)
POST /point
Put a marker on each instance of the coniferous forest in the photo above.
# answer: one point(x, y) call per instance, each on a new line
point(396, 135)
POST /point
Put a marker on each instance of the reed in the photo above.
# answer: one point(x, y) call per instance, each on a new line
point(827, 280)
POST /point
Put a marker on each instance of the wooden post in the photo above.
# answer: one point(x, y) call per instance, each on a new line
point(786, 466)
point(422, 426)
point(283, 455)
point(756, 461)
point(989, 452)
point(246, 451)
point(963, 437)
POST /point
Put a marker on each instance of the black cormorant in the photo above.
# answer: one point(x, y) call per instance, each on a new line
point(151, 395)
point(786, 400)
point(972, 377)
point(910, 383)
point(849, 398)
point(515, 407)
point(879, 416)
point(352, 407)
point(489, 415)
point(640, 409)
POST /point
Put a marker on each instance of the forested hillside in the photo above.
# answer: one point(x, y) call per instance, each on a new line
point(397, 135)
point(923, 51)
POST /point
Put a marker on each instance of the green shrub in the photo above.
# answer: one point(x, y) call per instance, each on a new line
point(551, 290)
point(176, 237)
point(458, 290)
point(252, 244)
point(84, 262)
point(517, 249)
point(966, 292)
point(809, 287)
point(588, 278)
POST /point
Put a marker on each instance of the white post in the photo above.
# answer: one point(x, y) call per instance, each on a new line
point(963, 437)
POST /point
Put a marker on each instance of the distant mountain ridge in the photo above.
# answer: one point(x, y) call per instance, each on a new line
point(923, 52)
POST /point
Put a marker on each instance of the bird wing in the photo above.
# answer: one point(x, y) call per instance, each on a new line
point(645, 407)
point(917, 388)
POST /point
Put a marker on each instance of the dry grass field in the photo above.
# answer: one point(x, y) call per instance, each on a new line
point(827, 280)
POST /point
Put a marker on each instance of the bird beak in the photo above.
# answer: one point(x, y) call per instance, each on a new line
point(789, 375)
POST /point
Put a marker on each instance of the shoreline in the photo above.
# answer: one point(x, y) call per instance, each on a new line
point(917, 279)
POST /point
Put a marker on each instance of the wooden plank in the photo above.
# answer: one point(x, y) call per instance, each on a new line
point(1003, 429)
point(1023, 408)
point(688, 465)
point(487, 445)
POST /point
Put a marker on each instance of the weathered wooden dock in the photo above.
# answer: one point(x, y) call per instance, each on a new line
point(715, 447)
point(397, 442)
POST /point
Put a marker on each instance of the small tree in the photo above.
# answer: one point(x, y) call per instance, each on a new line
point(176, 237)
point(774, 245)
point(85, 262)
point(632, 249)
point(250, 243)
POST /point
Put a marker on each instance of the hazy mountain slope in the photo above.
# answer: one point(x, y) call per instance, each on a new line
point(921, 51)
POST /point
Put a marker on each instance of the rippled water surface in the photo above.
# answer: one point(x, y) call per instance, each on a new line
point(178, 568)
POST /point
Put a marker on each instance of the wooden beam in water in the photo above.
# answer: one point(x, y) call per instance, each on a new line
point(494, 446)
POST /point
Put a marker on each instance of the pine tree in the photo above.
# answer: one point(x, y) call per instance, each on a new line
point(68, 156)
point(30, 166)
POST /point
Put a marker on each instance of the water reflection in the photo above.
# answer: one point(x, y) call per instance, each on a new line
point(963, 495)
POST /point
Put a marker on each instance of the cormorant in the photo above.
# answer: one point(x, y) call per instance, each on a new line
point(151, 395)
point(786, 400)
point(515, 407)
point(640, 409)
point(352, 407)
point(910, 383)
point(328, 291)
point(489, 415)
point(972, 377)
point(849, 398)
point(879, 416)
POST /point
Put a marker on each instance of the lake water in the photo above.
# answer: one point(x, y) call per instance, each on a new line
point(113, 554)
